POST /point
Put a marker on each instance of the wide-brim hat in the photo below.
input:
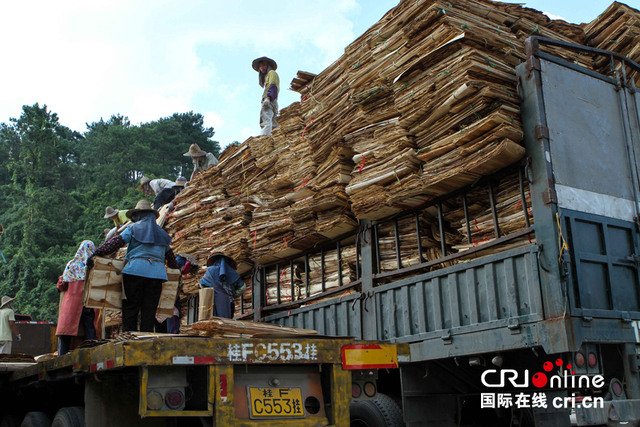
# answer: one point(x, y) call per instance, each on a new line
point(181, 181)
point(110, 212)
point(6, 300)
point(143, 181)
point(195, 151)
point(142, 206)
point(256, 63)
point(214, 256)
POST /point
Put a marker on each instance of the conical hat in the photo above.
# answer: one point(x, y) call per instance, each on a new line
point(142, 206)
point(143, 181)
point(217, 255)
point(256, 63)
point(6, 300)
point(195, 151)
point(110, 212)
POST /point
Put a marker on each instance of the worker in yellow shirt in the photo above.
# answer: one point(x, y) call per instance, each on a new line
point(269, 80)
point(119, 218)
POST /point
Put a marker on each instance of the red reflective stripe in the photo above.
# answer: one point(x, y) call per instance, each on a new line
point(223, 385)
point(76, 365)
point(93, 367)
point(110, 364)
point(204, 360)
point(382, 366)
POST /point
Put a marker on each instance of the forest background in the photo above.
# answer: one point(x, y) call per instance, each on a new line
point(56, 183)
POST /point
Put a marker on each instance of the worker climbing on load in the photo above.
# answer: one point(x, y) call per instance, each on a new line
point(119, 218)
point(269, 80)
point(225, 281)
point(201, 159)
point(7, 325)
point(148, 247)
point(162, 188)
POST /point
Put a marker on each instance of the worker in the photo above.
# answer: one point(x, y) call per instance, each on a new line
point(7, 325)
point(72, 314)
point(225, 281)
point(201, 159)
point(144, 272)
point(269, 80)
point(119, 217)
point(162, 188)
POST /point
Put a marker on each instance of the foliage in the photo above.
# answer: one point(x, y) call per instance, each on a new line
point(56, 183)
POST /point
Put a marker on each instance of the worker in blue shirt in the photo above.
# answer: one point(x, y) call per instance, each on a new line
point(144, 272)
point(225, 281)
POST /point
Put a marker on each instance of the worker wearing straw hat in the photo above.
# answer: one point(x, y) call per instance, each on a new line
point(269, 80)
point(148, 247)
point(201, 159)
point(7, 325)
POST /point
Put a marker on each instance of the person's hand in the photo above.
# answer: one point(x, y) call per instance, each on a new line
point(90, 263)
point(18, 337)
point(266, 103)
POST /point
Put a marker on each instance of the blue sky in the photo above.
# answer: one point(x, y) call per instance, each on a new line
point(147, 59)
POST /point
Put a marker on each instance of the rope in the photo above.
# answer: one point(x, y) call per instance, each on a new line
point(562, 243)
point(362, 167)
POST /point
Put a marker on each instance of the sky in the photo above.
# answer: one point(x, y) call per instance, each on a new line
point(147, 59)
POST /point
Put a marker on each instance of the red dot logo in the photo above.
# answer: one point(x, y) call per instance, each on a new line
point(539, 380)
point(569, 366)
point(573, 372)
point(558, 362)
point(547, 366)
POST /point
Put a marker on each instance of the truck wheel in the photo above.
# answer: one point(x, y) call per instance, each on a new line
point(36, 419)
point(72, 416)
point(382, 411)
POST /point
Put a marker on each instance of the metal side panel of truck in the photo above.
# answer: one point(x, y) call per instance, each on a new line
point(574, 292)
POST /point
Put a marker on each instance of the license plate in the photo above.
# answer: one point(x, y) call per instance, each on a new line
point(275, 402)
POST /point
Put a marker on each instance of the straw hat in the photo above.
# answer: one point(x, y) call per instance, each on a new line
point(195, 151)
point(143, 181)
point(256, 63)
point(6, 300)
point(181, 181)
point(110, 212)
point(142, 206)
point(214, 256)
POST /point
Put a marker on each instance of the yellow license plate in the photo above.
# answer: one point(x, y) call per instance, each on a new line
point(272, 402)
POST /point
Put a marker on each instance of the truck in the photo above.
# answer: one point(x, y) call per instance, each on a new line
point(196, 381)
point(540, 334)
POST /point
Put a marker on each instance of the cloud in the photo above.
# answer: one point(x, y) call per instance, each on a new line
point(151, 58)
point(552, 16)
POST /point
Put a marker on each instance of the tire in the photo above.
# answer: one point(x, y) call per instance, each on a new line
point(72, 416)
point(382, 411)
point(36, 419)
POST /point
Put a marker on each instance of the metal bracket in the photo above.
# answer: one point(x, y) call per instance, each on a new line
point(447, 338)
point(532, 63)
point(635, 259)
point(634, 362)
point(549, 196)
point(541, 132)
point(625, 317)
point(514, 326)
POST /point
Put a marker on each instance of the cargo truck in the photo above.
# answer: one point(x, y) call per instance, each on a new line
point(543, 333)
point(196, 381)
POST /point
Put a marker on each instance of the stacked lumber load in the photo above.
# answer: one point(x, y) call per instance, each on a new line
point(616, 29)
point(508, 208)
point(426, 99)
point(218, 327)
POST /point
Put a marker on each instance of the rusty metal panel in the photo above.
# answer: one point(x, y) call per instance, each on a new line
point(497, 291)
point(339, 317)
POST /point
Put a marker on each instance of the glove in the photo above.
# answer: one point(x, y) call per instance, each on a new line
point(18, 337)
point(239, 291)
point(90, 263)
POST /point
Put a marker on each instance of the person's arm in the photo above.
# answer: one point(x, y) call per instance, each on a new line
point(14, 328)
point(110, 247)
point(272, 84)
point(170, 258)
